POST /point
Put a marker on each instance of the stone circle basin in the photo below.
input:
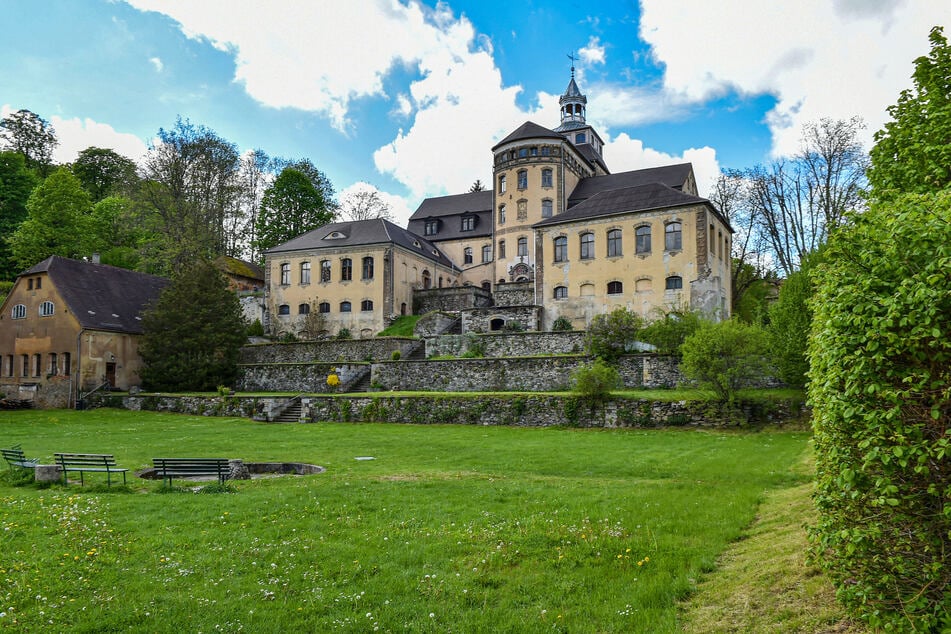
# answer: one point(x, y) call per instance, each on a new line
point(249, 470)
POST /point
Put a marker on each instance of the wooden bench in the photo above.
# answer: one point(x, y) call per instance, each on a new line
point(88, 462)
point(191, 468)
point(16, 458)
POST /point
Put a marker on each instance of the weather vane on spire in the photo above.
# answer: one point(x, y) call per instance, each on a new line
point(572, 57)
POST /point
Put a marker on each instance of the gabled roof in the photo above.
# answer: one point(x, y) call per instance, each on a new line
point(101, 297)
point(673, 176)
point(363, 233)
point(451, 205)
point(529, 130)
point(649, 197)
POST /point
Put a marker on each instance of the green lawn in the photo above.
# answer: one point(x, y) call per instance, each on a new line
point(461, 528)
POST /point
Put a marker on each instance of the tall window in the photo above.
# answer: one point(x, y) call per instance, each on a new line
point(546, 208)
point(501, 214)
point(486, 253)
point(615, 288)
point(546, 177)
point(303, 309)
point(285, 274)
point(67, 362)
point(323, 307)
point(587, 246)
point(467, 255)
point(18, 312)
point(672, 237)
point(24, 365)
point(674, 283)
point(346, 270)
point(53, 368)
point(561, 249)
point(325, 270)
point(561, 292)
point(614, 243)
point(366, 304)
point(345, 307)
point(523, 246)
point(468, 223)
point(427, 279)
point(368, 268)
point(523, 179)
point(9, 365)
point(501, 248)
point(431, 227)
point(502, 184)
point(642, 239)
point(46, 309)
point(305, 272)
point(37, 363)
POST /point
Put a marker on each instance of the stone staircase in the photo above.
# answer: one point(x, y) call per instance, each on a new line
point(290, 414)
point(360, 385)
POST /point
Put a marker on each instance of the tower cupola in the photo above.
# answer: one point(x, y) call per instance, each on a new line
point(573, 103)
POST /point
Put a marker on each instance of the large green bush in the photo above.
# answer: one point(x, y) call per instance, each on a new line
point(790, 320)
point(611, 335)
point(880, 386)
point(724, 357)
point(596, 380)
point(669, 331)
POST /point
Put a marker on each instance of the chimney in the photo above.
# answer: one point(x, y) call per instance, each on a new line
point(95, 258)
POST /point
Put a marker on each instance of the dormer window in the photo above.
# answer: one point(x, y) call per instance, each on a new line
point(432, 226)
point(334, 235)
point(468, 223)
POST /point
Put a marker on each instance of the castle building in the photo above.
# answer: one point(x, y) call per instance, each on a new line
point(557, 222)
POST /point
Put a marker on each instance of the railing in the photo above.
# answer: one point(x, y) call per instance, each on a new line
point(82, 397)
point(280, 409)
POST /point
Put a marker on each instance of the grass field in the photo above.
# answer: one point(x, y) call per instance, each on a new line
point(448, 528)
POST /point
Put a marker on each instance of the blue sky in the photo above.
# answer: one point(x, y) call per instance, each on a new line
point(409, 97)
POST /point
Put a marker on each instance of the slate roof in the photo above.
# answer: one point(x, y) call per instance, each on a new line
point(649, 197)
point(449, 210)
point(363, 233)
point(101, 297)
point(672, 176)
point(529, 130)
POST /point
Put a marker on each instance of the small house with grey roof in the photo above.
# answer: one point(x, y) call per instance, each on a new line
point(69, 326)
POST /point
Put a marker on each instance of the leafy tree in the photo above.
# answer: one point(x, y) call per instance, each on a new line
point(16, 184)
point(193, 333)
point(613, 334)
point(191, 188)
point(291, 206)
point(880, 386)
point(104, 172)
point(117, 232)
point(252, 179)
point(58, 221)
point(790, 320)
point(724, 357)
point(364, 204)
point(913, 152)
point(32, 136)
point(671, 329)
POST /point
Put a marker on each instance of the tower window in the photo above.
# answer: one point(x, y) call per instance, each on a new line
point(523, 246)
point(523, 179)
point(546, 208)
point(502, 184)
point(501, 248)
point(501, 214)
point(546, 178)
point(580, 138)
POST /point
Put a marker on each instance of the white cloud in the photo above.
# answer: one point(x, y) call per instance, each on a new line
point(157, 63)
point(622, 153)
point(593, 53)
point(819, 59)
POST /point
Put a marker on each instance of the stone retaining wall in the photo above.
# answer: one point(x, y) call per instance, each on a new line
point(514, 294)
point(450, 299)
point(296, 377)
point(376, 349)
point(517, 344)
point(496, 318)
point(566, 410)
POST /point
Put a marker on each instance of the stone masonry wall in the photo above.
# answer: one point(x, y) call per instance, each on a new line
point(515, 294)
point(504, 344)
point(450, 299)
point(295, 377)
point(480, 319)
point(376, 349)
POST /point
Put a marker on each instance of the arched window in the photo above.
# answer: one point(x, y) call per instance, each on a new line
point(346, 270)
point(467, 255)
point(18, 312)
point(427, 279)
point(546, 177)
point(366, 305)
point(501, 214)
point(642, 240)
point(523, 179)
point(561, 292)
point(324, 307)
point(486, 253)
point(284, 309)
point(615, 288)
point(587, 246)
point(546, 208)
point(674, 283)
point(303, 309)
point(523, 246)
point(285, 274)
point(614, 243)
point(561, 249)
point(502, 185)
point(305, 272)
point(345, 307)
point(325, 270)
point(672, 236)
point(501, 248)
point(368, 268)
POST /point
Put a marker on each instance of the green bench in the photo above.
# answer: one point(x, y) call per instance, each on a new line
point(170, 468)
point(17, 459)
point(88, 462)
